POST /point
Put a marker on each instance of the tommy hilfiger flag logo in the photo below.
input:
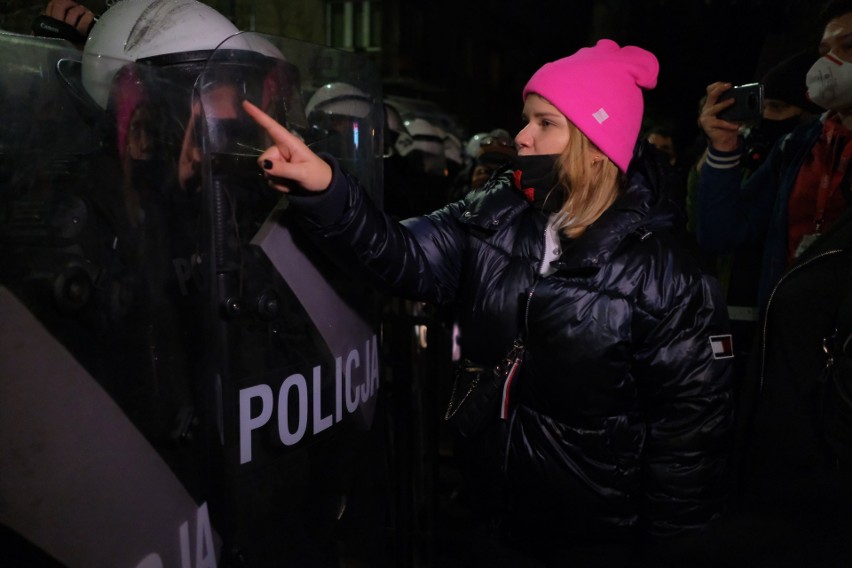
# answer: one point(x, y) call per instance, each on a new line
point(722, 345)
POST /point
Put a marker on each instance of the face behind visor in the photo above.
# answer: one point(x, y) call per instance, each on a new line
point(196, 99)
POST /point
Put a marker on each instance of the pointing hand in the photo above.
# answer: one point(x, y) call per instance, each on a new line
point(289, 162)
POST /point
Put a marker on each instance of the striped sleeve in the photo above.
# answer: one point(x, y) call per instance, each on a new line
point(723, 160)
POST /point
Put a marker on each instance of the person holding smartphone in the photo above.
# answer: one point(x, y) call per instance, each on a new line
point(802, 188)
point(616, 442)
point(794, 498)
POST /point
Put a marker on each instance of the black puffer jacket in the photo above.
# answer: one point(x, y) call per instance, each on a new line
point(623, 414)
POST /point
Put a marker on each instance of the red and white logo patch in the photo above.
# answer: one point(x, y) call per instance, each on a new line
point(722, 346)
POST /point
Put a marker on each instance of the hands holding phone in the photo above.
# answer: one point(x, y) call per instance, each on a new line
point(724, 134)
point(289, 162)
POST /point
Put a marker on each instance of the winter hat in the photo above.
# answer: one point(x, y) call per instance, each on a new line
point(786, 81)
point(495, 150)
point(599, 89)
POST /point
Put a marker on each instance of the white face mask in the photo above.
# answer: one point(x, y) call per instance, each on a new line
point(830, 83)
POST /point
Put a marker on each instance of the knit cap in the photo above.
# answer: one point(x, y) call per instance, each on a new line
point(786, 81)
point(599, 89)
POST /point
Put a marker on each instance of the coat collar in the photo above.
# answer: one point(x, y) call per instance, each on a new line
point(496, 204)
point(635, 214)
point(631, 216)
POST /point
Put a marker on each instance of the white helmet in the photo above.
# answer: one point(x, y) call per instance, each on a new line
point(425, 146)
point(453, 148)
point(500, 136)
point(341, 99)
point(136, 29)
point(394, 130)
point(425, 137)
point(393, 120)
point(472, 146)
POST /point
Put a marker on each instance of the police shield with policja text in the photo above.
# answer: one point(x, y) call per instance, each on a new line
point(184, 379)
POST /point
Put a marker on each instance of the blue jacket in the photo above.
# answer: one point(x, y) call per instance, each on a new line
point(732, 214)
point(622, 414)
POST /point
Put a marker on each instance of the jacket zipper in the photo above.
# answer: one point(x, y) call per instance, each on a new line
point(518, 344)
point(792, 271)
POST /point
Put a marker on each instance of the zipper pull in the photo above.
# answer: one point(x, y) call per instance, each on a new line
point(512, 366)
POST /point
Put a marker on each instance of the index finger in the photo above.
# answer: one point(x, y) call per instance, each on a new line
point(714, 90)
point(276, 131)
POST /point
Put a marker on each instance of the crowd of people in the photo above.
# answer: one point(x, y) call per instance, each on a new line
point(686, 328)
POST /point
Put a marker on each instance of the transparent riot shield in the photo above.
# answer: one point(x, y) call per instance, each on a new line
point(297, 336)
point(184, 379)
point(104, 408)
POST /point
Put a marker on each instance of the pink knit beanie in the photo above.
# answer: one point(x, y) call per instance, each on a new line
point(599, 89)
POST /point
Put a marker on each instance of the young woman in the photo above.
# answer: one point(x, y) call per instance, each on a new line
point(617, 438)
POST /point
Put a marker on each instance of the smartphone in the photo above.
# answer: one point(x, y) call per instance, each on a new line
point(748, 103)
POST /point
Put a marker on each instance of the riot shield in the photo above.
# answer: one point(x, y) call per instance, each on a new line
point(184, 379)
point(306, 382)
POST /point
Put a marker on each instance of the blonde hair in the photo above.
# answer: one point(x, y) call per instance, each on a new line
point(592, 182)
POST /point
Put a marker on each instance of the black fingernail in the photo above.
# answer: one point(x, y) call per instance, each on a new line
point(267, 164)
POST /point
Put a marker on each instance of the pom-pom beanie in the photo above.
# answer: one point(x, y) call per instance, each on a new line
point(599, 89)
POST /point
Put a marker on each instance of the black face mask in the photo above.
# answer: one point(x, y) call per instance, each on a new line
point(536, 177)
point(771, 130)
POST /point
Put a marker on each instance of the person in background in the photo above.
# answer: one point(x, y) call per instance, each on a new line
point(454, 153)
point(794, 499)
point(428, 185)
point(398, 172)
point(492, 153)
point(800, 190)
point(785, 107)
point(662, 138)
point(615, 448)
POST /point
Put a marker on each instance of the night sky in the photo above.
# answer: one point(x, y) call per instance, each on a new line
point(696, 41)
point(473, 57)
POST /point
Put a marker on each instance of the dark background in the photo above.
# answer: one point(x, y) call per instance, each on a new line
point(473, 57)
point(480, 72)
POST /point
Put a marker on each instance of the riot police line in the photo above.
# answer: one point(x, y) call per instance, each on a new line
point(185, 379)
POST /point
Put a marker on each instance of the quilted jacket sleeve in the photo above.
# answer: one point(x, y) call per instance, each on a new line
point(685, 372)
point(419, 258)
